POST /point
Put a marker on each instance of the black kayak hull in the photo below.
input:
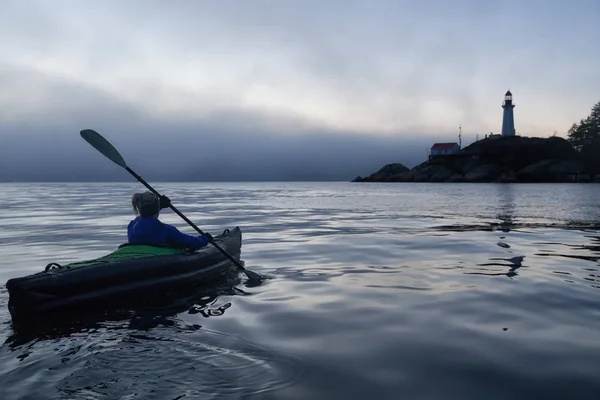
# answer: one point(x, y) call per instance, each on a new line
point(63, 289)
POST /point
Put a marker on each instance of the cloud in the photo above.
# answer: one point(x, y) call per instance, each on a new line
point(225, 145)
point(283, 90)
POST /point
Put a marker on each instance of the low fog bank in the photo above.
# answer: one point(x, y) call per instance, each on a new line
point(189, 154)
point(41, 142)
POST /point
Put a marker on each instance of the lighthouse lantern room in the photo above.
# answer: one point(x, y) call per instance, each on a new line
point(508, 119)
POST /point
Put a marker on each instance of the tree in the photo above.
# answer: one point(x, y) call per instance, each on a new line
point(587, 131)
point(585, 137)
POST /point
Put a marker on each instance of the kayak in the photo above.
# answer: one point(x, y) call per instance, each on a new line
point(126, 272)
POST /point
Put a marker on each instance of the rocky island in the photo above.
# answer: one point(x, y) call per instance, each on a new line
point(511, 158)
point(496, 159)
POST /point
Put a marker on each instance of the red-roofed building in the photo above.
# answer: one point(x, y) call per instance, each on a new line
point(439, 149)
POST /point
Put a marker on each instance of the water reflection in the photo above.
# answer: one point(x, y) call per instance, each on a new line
point(157, 349)
point(144, 314)
point(593, 249)
point(514, 263)
point(506, 209)
point(591, 254)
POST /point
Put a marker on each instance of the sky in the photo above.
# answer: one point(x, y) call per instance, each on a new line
point(281, 89)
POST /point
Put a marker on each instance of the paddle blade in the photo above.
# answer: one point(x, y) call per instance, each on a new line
point(253, 276)
point(103, 146)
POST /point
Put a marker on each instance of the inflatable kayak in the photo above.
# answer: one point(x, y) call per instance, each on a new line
point(128, 271)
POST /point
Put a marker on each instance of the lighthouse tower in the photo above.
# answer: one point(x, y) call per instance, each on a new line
point(508, 119)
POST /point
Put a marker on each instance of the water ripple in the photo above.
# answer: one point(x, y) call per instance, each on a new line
point(460, 291)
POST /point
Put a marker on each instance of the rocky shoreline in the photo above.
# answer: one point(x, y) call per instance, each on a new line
point(497, 159)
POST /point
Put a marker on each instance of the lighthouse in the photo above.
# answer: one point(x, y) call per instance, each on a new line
point(508, 119)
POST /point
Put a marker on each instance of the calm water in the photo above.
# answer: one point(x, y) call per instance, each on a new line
point(382, 291)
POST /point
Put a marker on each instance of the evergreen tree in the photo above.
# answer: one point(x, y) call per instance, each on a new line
point(587, 131)
point(585, 137)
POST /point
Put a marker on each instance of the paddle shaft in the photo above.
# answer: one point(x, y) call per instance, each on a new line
point(172, 207)
point(97, 141)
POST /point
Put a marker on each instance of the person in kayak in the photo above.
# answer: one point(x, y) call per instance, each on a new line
point(146, 228)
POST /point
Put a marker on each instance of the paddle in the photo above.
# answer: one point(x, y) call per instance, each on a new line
point(109, 151)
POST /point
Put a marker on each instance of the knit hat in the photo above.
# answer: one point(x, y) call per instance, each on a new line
point(145, 204)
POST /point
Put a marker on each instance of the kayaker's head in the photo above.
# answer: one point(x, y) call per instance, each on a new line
point(146, 204)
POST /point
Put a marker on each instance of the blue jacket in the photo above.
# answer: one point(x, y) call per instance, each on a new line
point(152, 231)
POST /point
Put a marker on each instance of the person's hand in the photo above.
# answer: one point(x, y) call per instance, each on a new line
point(208, 236)
point(165, 202)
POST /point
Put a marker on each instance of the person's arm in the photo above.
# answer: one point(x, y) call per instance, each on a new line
point(179, 238)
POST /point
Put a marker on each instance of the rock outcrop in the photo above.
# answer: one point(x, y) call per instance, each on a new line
point(385, 174)
point(496, 159)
